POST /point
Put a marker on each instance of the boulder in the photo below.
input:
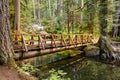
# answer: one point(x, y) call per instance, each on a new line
point(91, 51)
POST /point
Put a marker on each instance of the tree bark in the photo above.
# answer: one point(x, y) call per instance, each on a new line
point(12, 14)
point(104, 43)
point(39, 12)
point(49, 5)
point(34, 11)
point(6, 50)
point(59, 7)
point(82, 5)
point(17, 15)
point(116, 20)
point(68, 17)
point(91, 16)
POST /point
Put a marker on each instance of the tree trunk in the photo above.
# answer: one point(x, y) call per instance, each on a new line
point(49, 5)
point(34, 10)
point(12, 14)
point(68, 18)
point(104, 43)
point(17, 15)
point(59, 8)
point(39, 11)
point(116, 20)
point(82, 5)
point(6, 50)
point(91, 9)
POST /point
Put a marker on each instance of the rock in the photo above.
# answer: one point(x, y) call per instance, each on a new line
point(38, 27)
point(91, 51)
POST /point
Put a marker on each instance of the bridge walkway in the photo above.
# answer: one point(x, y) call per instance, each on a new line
point(31, 45)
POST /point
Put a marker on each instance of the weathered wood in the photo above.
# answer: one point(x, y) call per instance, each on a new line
point(44, 40)
point(76, 39)
point(41, 52)
point(32, 40)
point(45, 43)
point(69, 39)
point(53, 41)
point(23, 43)
point(65, 44)
point(39, 42)
point(72, 40)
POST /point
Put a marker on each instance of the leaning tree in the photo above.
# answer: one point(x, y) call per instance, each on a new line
point(6, 49)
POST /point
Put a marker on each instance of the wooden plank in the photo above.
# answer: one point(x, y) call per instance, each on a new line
point(31, 54)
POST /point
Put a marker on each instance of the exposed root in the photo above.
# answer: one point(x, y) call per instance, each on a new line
point(108, 51)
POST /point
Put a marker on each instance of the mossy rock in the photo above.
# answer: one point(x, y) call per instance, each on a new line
point(91, 51)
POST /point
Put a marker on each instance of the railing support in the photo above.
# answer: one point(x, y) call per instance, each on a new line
point(23, 43)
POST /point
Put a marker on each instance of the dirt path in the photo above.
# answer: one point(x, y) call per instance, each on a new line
point(6, 73)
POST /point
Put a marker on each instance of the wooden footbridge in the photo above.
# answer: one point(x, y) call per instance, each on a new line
point(31, 45)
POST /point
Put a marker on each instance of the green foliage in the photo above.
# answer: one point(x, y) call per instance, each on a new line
point(80, 19)
point(58, 30)
point(116, 39)
point(12, 13)
point(27, 68)
point(69, 52)
point(26, 13)
point(57, 75)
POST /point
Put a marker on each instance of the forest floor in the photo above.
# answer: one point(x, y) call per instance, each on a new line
point(6, 73)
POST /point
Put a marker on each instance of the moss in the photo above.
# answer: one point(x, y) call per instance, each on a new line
point(12, 63)
point(90, 47)
point(69, 52)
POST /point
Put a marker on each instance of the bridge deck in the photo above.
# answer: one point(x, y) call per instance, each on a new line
point(26, 46)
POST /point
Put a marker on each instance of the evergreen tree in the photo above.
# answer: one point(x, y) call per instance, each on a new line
point(6, 50)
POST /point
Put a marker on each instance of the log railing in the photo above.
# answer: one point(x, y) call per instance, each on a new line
point(30, 42)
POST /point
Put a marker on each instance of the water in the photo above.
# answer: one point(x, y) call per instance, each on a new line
point(49, 58)
point(82, 68)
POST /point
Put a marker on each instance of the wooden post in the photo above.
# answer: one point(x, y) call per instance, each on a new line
point(82, 39)
point(62, 38)
point(72, 39)
point(69, 39)
point(76, 39)
point(16, 38)
point(45, 40)
point(40, 43)
point(53, 40)
point(32, 40)
point(23, 43)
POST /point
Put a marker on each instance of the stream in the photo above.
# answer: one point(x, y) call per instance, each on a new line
point(77, 67)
